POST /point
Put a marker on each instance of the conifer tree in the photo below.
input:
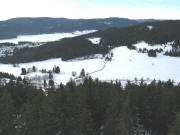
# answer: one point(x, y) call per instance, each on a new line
point(45, 83)
point(82, 74)
point(175, 127)
point(7, 114)
point(23, 71)
point(50, 75)
point(31, 114)
point(51, 83)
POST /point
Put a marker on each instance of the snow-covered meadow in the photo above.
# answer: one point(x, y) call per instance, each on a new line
point(95, 40)
point(125, 64)
point(164, 47)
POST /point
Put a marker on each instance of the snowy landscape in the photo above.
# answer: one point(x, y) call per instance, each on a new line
point(126, 64)
point(88, 67)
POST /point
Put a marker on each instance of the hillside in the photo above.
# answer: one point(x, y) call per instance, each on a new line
point(152, 33)
point(29, 26)
point(69, 48)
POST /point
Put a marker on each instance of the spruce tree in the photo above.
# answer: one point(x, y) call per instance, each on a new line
point(31, 115)
point(82, 74)
point(7, 114)
point(23, 71)
point(175, 127)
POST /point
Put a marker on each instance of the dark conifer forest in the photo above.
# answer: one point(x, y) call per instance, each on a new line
point(92, 108)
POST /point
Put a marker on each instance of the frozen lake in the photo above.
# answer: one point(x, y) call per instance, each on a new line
point(45, 37)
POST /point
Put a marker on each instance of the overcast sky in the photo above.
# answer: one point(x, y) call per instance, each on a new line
point(135, 9)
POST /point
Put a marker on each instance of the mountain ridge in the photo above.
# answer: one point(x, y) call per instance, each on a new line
point(11, 28)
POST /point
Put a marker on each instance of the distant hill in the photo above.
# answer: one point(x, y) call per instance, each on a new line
point(68, 48)
point(28, 26)
point(152, 33)
point(148, 20)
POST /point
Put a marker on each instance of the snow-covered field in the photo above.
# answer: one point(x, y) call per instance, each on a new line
point(125, 64)
point(128, 64)
point(164, 47)
point(46, 37)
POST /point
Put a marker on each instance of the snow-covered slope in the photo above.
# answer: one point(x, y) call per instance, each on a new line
point(128, 64)
point(125, 64)
point(164, 47)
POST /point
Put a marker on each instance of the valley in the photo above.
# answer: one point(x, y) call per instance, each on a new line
point(89, 67)
point(94, 77)
point(128, 53)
